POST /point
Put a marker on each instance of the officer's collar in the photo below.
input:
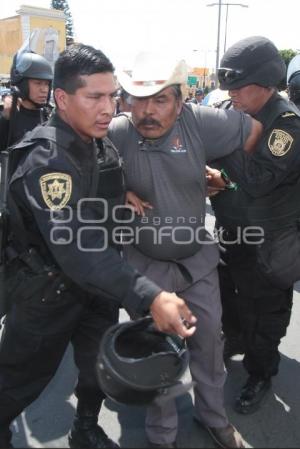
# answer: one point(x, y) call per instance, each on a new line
point(74, 146)
point(32, 112)
point(265, 112)
point(58, 122)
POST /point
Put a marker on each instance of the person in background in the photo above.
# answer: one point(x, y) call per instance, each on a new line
point(199, 95)
point(123, 102)
point(197, 98)
point(31, 80)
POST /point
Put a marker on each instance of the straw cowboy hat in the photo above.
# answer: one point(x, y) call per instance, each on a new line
point(152, 73)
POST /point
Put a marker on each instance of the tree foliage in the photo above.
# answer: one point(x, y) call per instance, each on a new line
point(287, 55)
point(62, 5)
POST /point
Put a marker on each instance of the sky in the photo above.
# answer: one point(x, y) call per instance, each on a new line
point(184, 28)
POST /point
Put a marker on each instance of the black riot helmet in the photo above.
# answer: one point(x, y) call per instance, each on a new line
point(253, 60)
point(29, 65)
point(138, 363)
point(293, 79)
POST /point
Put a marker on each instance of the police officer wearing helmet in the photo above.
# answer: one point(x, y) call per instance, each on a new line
point(293, 80)
point(71, 280)
point(31, 78)
point(257, 288)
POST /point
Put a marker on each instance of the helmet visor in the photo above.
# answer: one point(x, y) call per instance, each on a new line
point(228, 76)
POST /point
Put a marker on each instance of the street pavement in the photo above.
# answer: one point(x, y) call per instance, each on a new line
point(45, 423)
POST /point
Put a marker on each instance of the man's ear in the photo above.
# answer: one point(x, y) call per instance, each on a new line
point(61, 98)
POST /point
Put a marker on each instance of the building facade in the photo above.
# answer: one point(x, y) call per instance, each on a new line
point(42, 28)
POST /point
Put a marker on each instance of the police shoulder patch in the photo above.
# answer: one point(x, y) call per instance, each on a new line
point(56, 189)
point(280, 142)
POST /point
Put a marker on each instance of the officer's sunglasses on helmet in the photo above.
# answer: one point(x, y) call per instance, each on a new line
point(227, 75)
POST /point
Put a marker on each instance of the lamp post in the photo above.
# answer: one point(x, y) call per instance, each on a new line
point(220, 4)
point(205, 72)
point(218, 37)
point(243, 5)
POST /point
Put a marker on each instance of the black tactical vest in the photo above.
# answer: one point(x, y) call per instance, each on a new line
point(107, 177)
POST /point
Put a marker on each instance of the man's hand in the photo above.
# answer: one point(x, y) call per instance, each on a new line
point(136, 203)
point(171, 315)
point(214, 179)
point(7, 106)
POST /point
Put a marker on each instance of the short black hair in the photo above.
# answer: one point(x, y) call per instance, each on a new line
point(177, 91)
point(123, 94)
point(77, 60)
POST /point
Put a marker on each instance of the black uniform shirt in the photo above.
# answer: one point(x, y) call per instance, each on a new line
point(268, 180)
point(276, 159)
point(53, 187)
point(25, 120)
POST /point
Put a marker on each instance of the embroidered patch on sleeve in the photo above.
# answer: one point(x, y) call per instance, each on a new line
point(56, 190)
point(280, 142)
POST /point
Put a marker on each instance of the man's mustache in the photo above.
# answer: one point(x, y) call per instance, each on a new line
point(148, 122)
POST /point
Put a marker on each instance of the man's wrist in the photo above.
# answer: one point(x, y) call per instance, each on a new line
point(229, 185)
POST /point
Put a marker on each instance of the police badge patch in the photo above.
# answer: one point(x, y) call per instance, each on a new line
point(280, 142)
point(56, 189)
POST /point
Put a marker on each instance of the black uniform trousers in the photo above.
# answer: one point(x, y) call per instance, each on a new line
point(252, 307)
point(35, 337)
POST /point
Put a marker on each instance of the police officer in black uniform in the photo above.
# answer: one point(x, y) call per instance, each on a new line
point(63, 200)
point(257, 303)
point(293, 80)
point(31, 79)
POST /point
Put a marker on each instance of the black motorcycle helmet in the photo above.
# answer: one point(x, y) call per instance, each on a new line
point(29, 65)
point(254, 60)
point(137, 363)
